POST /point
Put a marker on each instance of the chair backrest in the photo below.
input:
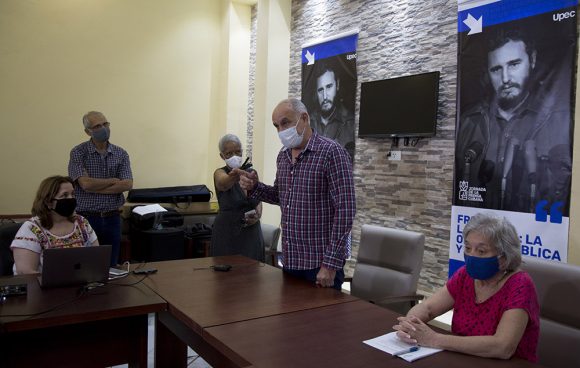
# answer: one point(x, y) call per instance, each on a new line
point(271, 235)
point(558, 289)
point(388, 264)
point(7, 233)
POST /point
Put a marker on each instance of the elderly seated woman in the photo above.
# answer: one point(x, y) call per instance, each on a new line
point(495, 307)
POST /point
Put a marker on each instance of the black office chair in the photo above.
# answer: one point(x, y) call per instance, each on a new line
point(7, 233)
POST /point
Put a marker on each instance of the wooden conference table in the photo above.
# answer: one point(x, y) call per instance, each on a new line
point(256, 316)
point(198, 298)
point(63, 327)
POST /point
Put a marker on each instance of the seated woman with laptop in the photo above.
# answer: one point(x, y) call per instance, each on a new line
point(54, 225)
point(495, 306)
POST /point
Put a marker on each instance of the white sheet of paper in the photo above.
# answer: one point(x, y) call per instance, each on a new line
point(150, 208)
point(391, 344)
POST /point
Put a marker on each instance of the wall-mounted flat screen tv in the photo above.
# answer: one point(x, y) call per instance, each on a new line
point(399, 107)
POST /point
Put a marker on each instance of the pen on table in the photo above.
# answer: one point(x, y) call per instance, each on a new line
point(405, 351)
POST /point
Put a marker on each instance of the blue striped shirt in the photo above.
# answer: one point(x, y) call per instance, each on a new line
point(85, 160)
point(317, 199)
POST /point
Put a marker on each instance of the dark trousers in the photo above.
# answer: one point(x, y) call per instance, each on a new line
point(310, 275)
point(108, 230)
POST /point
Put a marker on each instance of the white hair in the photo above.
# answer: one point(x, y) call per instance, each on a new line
point(501, 234)
point(228, 138)
point(296, 105)
point(86, 121)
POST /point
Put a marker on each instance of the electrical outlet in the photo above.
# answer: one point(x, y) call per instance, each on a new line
point(395, 156)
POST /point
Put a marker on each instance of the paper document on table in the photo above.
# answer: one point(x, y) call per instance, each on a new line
point(391, 344)
point(151, 208)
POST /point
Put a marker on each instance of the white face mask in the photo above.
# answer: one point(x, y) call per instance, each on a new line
point(290, 137)
point(234, 162)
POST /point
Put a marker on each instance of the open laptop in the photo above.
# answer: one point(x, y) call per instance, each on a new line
point(75, 266)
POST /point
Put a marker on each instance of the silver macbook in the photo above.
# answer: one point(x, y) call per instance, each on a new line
point(75, 266)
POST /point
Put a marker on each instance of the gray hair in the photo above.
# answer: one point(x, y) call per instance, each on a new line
point(501, 234)
point(228, 138)
point(86, 121)
point(296, 105)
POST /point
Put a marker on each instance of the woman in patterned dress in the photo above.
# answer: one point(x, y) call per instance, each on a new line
point(54, 225)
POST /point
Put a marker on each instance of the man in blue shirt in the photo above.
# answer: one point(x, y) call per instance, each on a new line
point(101, 172)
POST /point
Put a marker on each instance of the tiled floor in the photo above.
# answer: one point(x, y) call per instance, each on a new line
point(193, 360)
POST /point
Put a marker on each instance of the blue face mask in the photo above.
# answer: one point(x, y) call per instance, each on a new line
point(481, 268)
point(101, 135)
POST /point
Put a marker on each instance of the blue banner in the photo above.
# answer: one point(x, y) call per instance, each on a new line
point(508, 10)
point(331, 48)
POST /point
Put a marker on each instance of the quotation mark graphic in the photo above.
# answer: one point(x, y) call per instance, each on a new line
point(555, 212)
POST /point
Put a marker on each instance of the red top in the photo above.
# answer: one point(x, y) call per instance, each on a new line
point(481, 319)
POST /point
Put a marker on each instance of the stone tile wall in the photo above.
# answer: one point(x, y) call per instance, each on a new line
point(252, 81)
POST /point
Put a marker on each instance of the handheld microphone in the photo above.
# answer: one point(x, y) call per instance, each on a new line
point(246, 165)
point(531, 165)
point(507, 166)
point(471, 154)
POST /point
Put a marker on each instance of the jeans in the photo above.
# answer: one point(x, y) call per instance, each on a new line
point(310, 275)
point(108, 230)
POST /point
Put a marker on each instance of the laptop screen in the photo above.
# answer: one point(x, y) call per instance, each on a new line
point(75, 266)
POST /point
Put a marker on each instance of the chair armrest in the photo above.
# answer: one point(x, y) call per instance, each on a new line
point(398, 299)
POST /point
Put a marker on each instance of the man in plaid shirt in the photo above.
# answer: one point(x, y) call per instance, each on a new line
point(101, 172)
point(314, 188)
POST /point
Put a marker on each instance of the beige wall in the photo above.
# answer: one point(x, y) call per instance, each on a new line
point(272, 75)
point(155, 68)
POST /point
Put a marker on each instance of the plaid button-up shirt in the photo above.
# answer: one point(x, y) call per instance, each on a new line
point(85, 160)
point(317, 198)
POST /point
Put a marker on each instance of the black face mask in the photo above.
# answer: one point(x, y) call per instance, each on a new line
point(65, 206)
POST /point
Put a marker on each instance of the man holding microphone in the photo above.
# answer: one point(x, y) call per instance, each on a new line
point(314, 188)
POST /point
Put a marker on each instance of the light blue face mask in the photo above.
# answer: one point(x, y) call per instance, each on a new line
point(101, 135)
point(290, 137)
point(481, 268)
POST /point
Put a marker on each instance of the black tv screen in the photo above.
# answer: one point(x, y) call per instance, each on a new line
point(399, 107)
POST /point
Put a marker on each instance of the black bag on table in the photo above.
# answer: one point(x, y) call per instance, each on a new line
point(187, 194)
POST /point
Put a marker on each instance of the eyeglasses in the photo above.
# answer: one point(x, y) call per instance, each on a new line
point(100, 126)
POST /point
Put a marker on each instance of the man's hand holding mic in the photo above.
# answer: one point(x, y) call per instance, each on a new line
point(248, 180)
